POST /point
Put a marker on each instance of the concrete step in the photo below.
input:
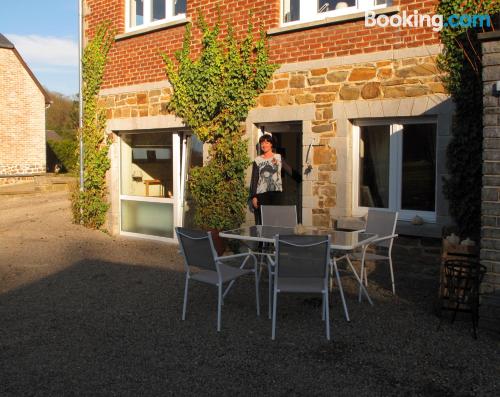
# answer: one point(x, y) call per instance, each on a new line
point(41, 183)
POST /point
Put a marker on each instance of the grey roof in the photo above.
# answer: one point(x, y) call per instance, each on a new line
point(52, 135)
point(4, 42)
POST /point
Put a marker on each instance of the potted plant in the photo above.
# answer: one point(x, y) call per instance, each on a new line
point(213, 93)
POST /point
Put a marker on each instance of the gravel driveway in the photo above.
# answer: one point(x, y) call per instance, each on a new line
point(84, 313)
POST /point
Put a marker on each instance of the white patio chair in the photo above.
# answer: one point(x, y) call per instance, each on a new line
point(275, 215)
point(301, 266)
point(278, 215)
point(382, 223)
point(199, 253)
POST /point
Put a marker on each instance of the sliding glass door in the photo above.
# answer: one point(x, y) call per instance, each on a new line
point(154, 172)
point(149, 182)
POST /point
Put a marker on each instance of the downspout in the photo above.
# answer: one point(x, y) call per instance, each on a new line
point(80, 85)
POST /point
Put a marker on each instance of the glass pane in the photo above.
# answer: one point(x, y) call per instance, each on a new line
point(194, 159)
point(380, 2)
point(291, 10)
point(147, 165)
point(419, 167)
point(155, 219)
point(330, 5)
point(159, 10)
point(180, 7)
point(136, 12)
point(374, 146)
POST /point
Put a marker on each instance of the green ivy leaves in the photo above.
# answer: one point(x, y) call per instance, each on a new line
point(90, 205)
point(213, 94)
point(461, 61)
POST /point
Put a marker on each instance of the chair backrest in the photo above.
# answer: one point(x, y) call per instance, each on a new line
point(197, 248)
point(302, 256)
point(382, 223)
point(279, 215)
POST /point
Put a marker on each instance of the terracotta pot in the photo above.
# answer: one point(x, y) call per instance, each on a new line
point(219, 242)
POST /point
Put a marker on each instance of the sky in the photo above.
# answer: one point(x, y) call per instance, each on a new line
point(45, 32)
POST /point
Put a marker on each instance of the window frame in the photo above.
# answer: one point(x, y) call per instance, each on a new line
point(312, 15)
point(148, 11)
point(395, 166)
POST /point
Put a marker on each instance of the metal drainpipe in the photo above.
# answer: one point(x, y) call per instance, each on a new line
point(80, 56)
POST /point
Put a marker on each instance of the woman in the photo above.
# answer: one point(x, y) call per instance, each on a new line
point(266, 186)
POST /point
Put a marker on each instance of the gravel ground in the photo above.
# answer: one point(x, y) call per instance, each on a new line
point(84, 313)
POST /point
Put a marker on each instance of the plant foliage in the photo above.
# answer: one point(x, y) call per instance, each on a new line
point(90, 203)
point(213, 95)
point(461, 60)
point(66, 151)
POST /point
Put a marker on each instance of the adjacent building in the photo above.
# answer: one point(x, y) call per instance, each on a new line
point(22, 118)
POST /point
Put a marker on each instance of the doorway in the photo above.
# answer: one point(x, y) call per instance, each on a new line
point(288, 138)
point(154, 167)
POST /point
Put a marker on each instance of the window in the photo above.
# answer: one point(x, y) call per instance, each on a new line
point(395, 167)
point(297, 11)
point(143, 13)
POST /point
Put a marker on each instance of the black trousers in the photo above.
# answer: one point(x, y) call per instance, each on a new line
point(267, 198)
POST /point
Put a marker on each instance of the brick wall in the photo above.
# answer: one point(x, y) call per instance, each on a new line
point(490, 231)
point(136, 59)
point(22, 119)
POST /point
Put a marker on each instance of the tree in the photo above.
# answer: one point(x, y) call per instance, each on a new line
point(461, 61)
point(213, 95)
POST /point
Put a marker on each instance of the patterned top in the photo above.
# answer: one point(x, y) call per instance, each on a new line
point(269, 174)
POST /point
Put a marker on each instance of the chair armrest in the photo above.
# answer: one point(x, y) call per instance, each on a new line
point(378, 240)
point(221, 258)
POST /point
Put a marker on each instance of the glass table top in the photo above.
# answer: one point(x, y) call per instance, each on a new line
point(341, 240)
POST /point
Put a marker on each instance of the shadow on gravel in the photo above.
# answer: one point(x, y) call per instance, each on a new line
point(101, 328)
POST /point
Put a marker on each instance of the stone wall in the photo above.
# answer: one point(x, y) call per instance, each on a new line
point(317, 87)
point(22, 119)
point(490, 230)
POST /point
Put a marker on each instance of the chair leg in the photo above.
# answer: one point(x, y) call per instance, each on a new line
point(275, 303)
point(327, 314)
point(257, 300)
point(270, 292)
point(392, 277)
point(341, 290)
point(219, 307)
point(362, 276)
point(323, 304)
point(184, 306)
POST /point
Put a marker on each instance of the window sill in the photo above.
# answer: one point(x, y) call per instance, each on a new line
point(149, 29)
point(330, 21)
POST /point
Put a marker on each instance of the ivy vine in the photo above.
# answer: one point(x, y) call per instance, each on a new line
point(213, 95)
point(461, 62)
point(90, 203)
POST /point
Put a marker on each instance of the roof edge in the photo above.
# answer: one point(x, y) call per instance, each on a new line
point(40, 87)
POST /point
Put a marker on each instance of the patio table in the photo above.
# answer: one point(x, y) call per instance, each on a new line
point(341, 241)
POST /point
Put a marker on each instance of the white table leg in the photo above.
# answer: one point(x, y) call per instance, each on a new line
point(362, 287)
point(346, 312)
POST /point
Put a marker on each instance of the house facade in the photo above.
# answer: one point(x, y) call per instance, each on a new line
point(22, 119)
point(359, 110)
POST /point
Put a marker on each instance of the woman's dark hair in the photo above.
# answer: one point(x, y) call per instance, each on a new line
point(266, 137)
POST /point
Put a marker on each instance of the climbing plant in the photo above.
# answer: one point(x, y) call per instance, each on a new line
point(89, 202)
point(213, 92)
point(461, 62)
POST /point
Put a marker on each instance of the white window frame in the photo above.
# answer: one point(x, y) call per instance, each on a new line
point(177, 168)
point(395, 167)
point(148, 15)
point(309, 10)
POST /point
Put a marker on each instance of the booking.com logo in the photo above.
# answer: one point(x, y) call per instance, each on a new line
point(437, 22)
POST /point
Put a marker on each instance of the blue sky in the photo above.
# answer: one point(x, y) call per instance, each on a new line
point(46, 35)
